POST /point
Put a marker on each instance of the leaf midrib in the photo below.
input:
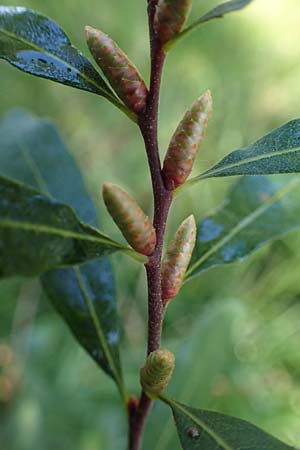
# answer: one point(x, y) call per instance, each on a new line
point(198, 422)
point(41, 50)
point(100, 333)
point(59, 232)
point(241, 225)
point(212, 172)
point(37, 175)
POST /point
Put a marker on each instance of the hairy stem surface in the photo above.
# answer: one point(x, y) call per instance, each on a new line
point(162, 201)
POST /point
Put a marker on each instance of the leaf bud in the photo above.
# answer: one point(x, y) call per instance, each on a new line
point(135, 226)
point(177, 258)
point(157, 371)
point(132, 405)
point(185, 142)
point(170, 16)
point(118, 69)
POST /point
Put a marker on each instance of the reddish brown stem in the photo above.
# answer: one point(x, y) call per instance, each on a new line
point(137, 423)
point(162, 201)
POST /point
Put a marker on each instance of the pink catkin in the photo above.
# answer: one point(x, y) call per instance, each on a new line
point(185, 142)
point(170, 17)
point(135, 226)
point(118, 69)
point(177, 259)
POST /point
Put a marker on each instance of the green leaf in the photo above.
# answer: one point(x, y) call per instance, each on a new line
point(84, 296)
point(35, 44)
point(256, 211)
point(215, 13)
point(38, 233)
point(207, 430)
point(277, 152)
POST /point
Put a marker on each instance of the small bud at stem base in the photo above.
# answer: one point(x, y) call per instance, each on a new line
point(157, 372)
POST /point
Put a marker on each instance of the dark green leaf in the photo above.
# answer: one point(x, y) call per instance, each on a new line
point(257, 211)
point(38, 233)
point(37, 45)
point(278, 152)
point(84, 296)
point(215, 13)
point(207, 430)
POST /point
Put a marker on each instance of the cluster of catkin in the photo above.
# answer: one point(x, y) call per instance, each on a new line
point(136, 227)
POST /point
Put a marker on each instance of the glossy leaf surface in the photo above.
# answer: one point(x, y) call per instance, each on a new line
point(199, 429)
point(35, 44)
point(215, 13)
point(38, 233)
point(277, 152)
point(256, 211)
point(84, 296)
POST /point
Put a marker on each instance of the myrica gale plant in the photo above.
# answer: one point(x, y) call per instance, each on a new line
point(58, 239)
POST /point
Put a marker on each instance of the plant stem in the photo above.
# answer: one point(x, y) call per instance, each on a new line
point(147, 121)
point(137, 423)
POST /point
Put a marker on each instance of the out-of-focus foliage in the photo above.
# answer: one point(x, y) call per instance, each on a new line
point(242, 355)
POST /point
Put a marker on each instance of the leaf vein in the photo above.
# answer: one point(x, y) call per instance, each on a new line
point(100, 333)
point(37, 48)
point(199, 422)
point(212, 172)
point(40, 228)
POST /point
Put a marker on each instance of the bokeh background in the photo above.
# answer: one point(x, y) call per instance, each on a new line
point(235, 330)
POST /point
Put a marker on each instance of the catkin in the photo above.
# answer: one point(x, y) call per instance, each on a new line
point(177, 259)
point(118, 69)
point(185, 142)
point(133, 223)
point(170, 16)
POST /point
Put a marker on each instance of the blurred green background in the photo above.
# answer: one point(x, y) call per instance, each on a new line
point(235, 330)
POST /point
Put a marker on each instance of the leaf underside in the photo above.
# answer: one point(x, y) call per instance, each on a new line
point(207, 430)
point(256, 211)
point(85, 295)
point(277, 152)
